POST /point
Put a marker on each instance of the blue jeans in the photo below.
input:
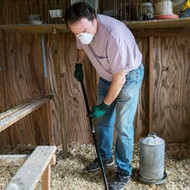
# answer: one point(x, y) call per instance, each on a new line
point(121, 113)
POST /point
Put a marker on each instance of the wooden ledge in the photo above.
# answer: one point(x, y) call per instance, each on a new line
point(11, 116)
point(152, 24)
point(132, 25)
point(12, 160)
point(31, 28)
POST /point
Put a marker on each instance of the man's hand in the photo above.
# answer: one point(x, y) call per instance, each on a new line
point(78, 72)
point(98, 111)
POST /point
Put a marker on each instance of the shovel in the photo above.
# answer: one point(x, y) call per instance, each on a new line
point(94, 137)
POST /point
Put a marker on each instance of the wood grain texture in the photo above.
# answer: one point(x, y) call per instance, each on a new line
point(77, 127)
point(62, 51)
point(22, 81)
point(172, 85)
point(62, 112)
point(21, 113)
point(32, 170)
point(46, 178)
point(23, 77)
point(151, 85)
point(141, 118)
point(54, 104)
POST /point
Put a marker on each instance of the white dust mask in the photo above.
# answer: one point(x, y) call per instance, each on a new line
point(85, 38)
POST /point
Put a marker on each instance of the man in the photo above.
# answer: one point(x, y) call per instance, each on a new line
point(112, 50)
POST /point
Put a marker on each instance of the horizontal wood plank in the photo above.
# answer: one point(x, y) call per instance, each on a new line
point(159, 32)
point(17, 108)
point(31, 28)
point(32, 170)
point(133, 25)
point(10, 119)
point(166, 23)
point(12, 160)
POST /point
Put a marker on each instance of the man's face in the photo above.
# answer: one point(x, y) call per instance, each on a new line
point(84, 26)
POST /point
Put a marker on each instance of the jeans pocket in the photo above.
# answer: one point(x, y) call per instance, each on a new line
point(133, 77)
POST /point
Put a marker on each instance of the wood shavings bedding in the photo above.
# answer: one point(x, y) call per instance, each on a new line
point(71, 173)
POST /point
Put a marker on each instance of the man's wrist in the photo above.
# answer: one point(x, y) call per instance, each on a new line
point(105, 106)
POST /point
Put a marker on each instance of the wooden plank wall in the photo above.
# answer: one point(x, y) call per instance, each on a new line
point(61, 50)
point(171, 112)
point(21, 78)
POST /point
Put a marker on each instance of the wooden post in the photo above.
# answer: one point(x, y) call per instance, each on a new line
point(151, 83)
point(60, 99)
point(3, 72)
point(50, 124)
point(46, 178)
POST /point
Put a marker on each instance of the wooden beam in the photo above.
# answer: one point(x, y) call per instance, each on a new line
point(53, 160)
point(46, 178)
point(50, 124)
point(11, 119)
point(43, 28)
point(18, 160)
point(47, 91)
point(15, 109)
point(151, 82)
point(12, 160)
point(61, 102)
point(138, 33)
point(32, 170)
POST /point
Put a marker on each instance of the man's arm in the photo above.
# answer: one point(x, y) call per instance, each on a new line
point(80, 56)
point(115, 87)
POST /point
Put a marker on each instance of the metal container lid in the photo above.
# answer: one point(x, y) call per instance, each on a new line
point(152, 140)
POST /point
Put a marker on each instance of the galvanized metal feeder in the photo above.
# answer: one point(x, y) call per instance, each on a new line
point(152, 150)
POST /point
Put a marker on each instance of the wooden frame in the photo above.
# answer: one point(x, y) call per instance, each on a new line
point(15, 114)
point(36, 167)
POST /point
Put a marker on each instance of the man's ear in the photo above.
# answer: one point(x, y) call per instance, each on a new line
point(93, 20)
point(94, 16)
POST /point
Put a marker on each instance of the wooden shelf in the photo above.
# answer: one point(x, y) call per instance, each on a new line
point(156, 28)
point(168, 24)
point(152, 24)
point(12, 116)
point(29, 28)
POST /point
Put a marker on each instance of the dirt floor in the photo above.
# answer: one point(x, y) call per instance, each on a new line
point(71, 174)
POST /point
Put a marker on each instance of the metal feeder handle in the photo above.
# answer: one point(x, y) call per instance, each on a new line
point(94, 137)
point(152, 135)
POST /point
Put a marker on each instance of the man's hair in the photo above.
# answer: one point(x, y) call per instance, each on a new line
point(78, 11)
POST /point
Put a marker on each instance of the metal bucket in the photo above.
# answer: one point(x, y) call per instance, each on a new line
point(152, 150)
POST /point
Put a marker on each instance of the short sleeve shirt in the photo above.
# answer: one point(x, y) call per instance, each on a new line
point(113, 48)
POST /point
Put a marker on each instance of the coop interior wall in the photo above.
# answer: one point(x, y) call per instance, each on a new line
point(21, 79)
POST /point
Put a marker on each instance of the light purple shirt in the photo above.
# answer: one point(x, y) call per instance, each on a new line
point(113, 48)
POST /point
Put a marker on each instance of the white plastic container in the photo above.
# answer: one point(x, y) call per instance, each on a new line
point(57, 13)
point(164, 7)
